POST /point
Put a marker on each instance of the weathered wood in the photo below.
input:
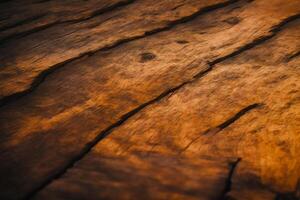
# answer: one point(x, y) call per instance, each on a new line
point(151, 100)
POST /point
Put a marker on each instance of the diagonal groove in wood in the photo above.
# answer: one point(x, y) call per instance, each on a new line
point(224, 125)
point(293, 56)
point(260, 40)
point(22, 22)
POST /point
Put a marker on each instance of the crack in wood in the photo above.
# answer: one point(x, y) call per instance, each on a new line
point(293, 56)
point(273, 32)
point(228, 183)
point(22, 22)
point(224, 125)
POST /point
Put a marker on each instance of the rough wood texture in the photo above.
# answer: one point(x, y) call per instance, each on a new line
point(26, 63)
point(150, 99)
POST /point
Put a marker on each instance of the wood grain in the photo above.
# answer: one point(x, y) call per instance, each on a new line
point(150, 99)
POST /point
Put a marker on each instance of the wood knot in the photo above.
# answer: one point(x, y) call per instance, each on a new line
point(232, 20)
point(147, 56)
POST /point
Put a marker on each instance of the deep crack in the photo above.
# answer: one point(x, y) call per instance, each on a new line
point(293, 56)
point(238, 115)
point(223, 125)
point(21, 22)
point(258, 41)
point(228, 183)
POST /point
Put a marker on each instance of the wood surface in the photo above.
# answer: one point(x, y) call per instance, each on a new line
point(150, 99)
